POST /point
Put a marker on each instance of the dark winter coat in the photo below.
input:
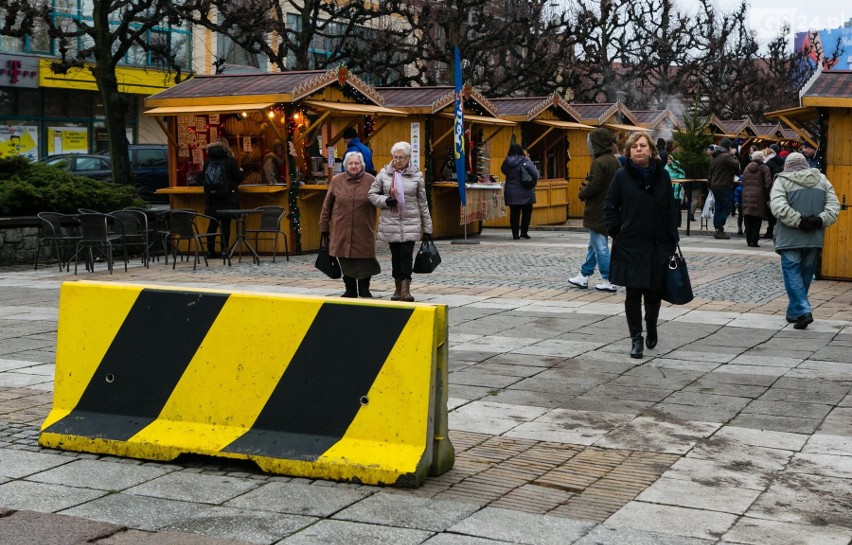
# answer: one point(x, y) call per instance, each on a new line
point(352, 216)
point(775, 164)
point(218, 153)
point(723, 168)
point(515, 194)
point(757, 182)
point(603, 169)
point(642, 224)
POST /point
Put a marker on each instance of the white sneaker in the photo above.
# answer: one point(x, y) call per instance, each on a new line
point(606, 286)
point(579, 281)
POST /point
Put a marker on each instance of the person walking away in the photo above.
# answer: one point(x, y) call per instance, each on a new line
point(399, 192)
point(639, 212)
point(757, 182)
point(353, 226)
point(603, 168)
point(273, 163)
point(775, 162)
point(519, 198)
point(805, 204)
point(353, 143)
point(662, 148)
point(724, 167)
point(219, 193)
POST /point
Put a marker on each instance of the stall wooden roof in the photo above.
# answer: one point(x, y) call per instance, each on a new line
point(832, 88)
point(430, 100)
point(798, 123)
point(654, 119)
point(528, 108)
point(257, 89)
point(602, 114)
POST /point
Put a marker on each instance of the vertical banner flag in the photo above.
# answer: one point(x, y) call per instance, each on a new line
point(458, 126)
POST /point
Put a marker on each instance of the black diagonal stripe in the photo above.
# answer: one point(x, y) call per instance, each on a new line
point(320, 393)
point(146, 359)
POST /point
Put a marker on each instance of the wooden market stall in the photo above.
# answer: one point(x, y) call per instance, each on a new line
point(825, 121)
point(429, 128)
point(614, 116)
point(545, 125)
point(306, 111)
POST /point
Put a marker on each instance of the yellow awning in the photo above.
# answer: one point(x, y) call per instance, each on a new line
point(354, 109)
point(211, 108)
point(620, 127)
point(563, 124)
point(481, 119)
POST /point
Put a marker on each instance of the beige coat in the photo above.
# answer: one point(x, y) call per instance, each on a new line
point(396, 227)
point(351, 216)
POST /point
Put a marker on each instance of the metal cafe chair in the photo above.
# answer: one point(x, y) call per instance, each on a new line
point(270, 228)
point(59, 239)
point(134, 231)
point(184, 227)
point(95, 234)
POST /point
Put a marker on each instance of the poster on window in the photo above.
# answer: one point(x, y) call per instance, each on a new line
point(67, 140)
point(19, 140)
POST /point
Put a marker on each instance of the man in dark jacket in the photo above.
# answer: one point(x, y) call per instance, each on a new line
point(724, 167)
point(219, 153)
point(593, 194)
point(776, 165)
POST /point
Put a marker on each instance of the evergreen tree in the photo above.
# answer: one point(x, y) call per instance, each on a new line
point(691, 143)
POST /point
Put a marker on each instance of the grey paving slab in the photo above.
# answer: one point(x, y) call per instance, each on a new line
point(194, 487)
point(682, 521)
point(138, 512)
point(823, 370)
point(825, 443)
point(518, 527)
point(785, 408)
point(713, 496)
point(473, 377)
point(31, 528)
point(45, 498)
point(570, 426)
point(557, 347)
point(251, 525)
point(607, 535)
point(711, 472)
point(656, 435)
point(695, 412)
point(829, 465)
point(562, 386)
point(761, 532)
point(138, 537)
point(298, 499)
point(17, 463)
point(336, 532)
point(100, 474)
point(490, 417)
point(777, 423)
point(400, 511)
point(456, 539)
point(746, 437)
point(805, 499)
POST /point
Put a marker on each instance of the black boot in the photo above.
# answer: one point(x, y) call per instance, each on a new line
point(652, 312)
point(364, 288)
point(633, 311)
point(351, 287)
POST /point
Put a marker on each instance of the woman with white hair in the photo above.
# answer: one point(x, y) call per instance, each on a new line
point(353, 221)
point(400, 193)
point(757, 182)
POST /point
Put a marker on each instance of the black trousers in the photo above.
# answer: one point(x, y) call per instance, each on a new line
point(221, 222)
point(520, 216)
point(402, 259)
point(752, 229)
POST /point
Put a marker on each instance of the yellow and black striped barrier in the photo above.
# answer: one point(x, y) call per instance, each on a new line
point(350, 390)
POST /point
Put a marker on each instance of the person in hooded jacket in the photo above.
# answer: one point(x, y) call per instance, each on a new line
point(805, 204)
point(757, 182)
point(593, 193)
point(724, 167)
point(639, 211)
point(518, 198)
point(352, 218)
point(220, 152)
point(399, 192)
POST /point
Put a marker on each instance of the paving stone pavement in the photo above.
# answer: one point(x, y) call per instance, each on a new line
point(735, 429)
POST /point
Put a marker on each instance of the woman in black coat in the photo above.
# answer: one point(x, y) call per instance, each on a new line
point(640, 212)
point(518, 198)
point(219, 153)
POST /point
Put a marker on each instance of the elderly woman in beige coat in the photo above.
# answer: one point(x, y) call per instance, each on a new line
point(353, 225)
point(400, 193)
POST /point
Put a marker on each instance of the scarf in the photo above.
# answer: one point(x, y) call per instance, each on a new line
point(646, 174)
point(397, 190)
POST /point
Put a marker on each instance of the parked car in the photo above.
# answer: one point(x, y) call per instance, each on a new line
point(90, 166)
point(149, 164)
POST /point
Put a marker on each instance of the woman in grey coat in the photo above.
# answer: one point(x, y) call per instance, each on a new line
point(400, 193)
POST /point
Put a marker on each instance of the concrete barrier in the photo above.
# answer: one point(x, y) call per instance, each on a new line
point(350, 390)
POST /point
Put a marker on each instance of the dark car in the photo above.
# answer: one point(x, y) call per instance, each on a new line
point(90, 166)
point(149, 165)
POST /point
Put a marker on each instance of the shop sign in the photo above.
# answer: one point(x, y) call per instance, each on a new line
point(19, 140)
point(18, 71)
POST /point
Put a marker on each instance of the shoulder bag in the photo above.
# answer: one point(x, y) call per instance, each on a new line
point(526, 178)
point(678, 288)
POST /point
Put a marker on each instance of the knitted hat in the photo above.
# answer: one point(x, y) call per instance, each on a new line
point(757, 156)
point(783, 154)
point(350, 132)
point(776, 148)
point(795, 161)
point(726, 143)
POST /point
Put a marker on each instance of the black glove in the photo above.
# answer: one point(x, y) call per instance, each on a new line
point(390, 202)
point(816, 222)
point(807, 224)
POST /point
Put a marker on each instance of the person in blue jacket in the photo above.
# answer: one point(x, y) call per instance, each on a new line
point(353, 143)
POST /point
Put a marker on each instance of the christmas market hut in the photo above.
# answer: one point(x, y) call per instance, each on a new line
point(824, 120)
point(661, 123)
point(429, 128)
point(614, 116)
point(301, 115)
point(545, 126)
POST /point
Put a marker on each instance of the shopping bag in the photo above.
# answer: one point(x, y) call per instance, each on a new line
point(678, 288)
point(709, 206)
point(427, 259)
point(326, 263)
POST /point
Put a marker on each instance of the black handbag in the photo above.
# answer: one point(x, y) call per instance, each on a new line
point(427, 259)
point(326, 263)
point(678, 288)
point(526, 178)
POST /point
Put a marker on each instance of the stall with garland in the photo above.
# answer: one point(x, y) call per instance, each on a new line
point(306, 111)
point(545, 126)
point(429, 128)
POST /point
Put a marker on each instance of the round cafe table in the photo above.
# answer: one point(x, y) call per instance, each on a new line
point(240, 241)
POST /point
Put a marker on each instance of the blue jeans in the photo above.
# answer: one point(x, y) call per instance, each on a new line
point(797, 267)
point(598, 254)
point(724, 203)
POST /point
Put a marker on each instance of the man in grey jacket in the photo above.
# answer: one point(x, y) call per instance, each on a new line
point(805, 204)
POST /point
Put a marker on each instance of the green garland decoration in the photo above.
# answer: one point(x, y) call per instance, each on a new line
point(293, 200)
